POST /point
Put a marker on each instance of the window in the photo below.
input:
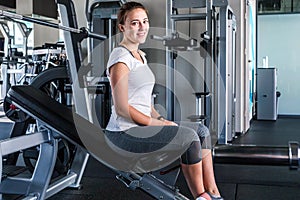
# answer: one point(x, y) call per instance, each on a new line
point(278, 6)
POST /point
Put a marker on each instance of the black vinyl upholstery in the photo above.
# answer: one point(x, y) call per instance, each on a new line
point(46, 109)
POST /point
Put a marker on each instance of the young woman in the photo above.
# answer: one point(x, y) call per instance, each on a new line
point(132, 83)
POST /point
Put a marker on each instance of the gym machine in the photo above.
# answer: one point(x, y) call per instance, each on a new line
point(69, 179)
point(214, 65)
point(7, 37)
point(225, 74)
point(57, 120)
point(102, 19)
point(7, 46)
point(200, 12)
point(15, 63)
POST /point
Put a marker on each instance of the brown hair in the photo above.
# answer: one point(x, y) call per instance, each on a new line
point(127, 7)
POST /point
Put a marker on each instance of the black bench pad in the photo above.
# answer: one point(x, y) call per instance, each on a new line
point(41, 106)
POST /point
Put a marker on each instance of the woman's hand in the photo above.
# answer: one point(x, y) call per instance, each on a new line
point(169, 123)
point(161, 122)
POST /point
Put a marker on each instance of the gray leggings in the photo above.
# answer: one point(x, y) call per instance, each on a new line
point(142, 139)
point(193, 153)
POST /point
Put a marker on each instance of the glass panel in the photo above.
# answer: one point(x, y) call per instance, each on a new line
point(269, 5)
point(296, 5)
point(278, 6)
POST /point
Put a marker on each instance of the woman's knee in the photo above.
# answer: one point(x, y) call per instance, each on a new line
point(193, 154)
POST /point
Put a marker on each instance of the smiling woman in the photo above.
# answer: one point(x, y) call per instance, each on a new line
point(135, 126)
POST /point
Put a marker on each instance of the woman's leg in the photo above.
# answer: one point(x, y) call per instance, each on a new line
point(208, 177)
point(208, 173)
point(193, 176)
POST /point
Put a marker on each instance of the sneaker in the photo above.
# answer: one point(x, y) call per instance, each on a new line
point(214, 197)
point(204, 196)
point(201, 198)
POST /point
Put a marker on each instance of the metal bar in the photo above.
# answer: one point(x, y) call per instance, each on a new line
point(151, 185)
point(258, 155)
point(60, 184)
point(170, 27)
point(251, 155)
point(12, 145)
point(183, 17)
point(20, 185)
point(79, 164)
point(50, 24)
point(37, 21)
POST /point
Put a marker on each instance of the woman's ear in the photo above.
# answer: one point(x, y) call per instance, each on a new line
point(121, 27)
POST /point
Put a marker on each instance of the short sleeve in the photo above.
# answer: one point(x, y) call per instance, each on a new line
point(119, 55)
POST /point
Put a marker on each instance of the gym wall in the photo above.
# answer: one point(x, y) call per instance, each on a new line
point(278, 38)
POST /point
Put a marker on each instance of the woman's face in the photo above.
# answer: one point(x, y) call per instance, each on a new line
point(136, 26)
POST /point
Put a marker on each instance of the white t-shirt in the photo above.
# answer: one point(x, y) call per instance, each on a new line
point(140, 85)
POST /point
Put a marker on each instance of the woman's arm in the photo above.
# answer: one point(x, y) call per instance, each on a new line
point(154, 113)
point(119, 83)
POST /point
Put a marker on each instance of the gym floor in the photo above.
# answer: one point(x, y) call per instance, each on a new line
point(236, 182)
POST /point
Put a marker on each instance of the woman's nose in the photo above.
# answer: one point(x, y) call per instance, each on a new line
point(142, 25)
